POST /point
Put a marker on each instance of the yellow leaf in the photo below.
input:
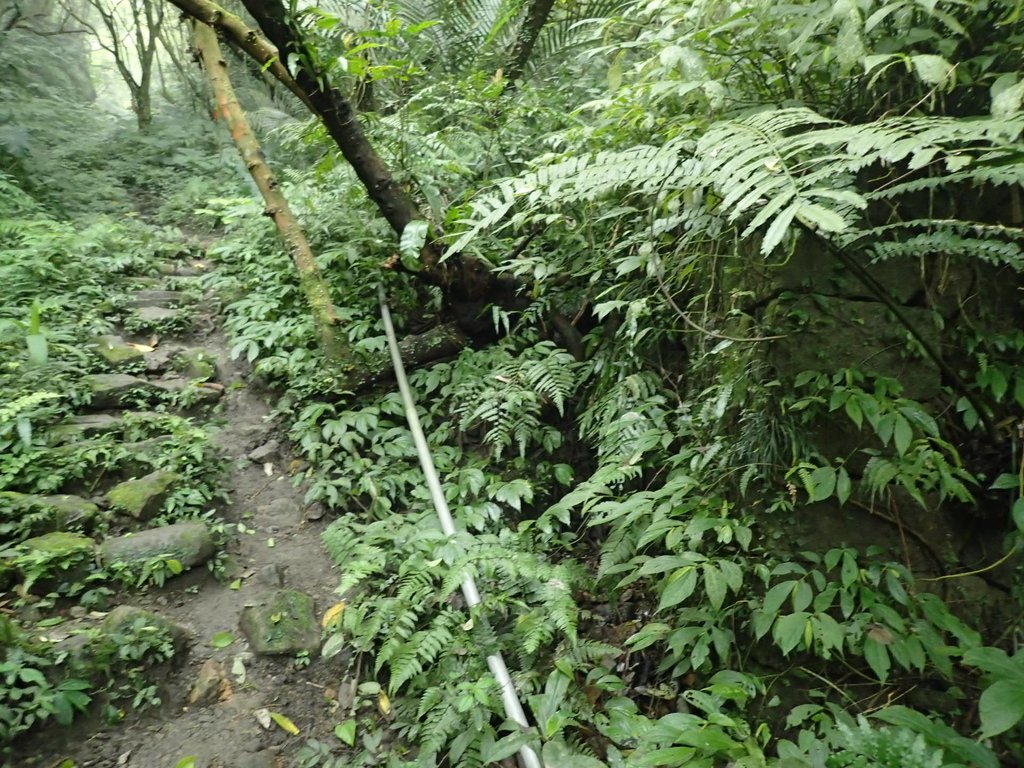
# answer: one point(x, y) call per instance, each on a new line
point(383, 703)
point(284, 723)
point(333, 615)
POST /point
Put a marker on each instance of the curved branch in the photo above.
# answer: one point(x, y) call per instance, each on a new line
point(245, 37)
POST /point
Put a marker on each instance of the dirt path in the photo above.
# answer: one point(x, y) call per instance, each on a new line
point(273, 544)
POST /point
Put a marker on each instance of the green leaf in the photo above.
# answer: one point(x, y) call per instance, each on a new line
point(1018, 514)
point(714, 585)
point(38, 352)
point(877, 657)
point(174, 566)
point(222, 640)
point(680, 586)
point(822, 482)
point(558, 755)
point(496, 751)
point(186, 762)
point(931, 69)
point(333, 646)
point(346, 731)
point(284, 723)
point(843, 485)
point(1001, 707)
point(414, 237)
point(902, 434)
point(788, 631)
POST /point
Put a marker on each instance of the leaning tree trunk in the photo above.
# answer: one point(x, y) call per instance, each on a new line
point(312, 283)
point(536, 18)
point(339, 117)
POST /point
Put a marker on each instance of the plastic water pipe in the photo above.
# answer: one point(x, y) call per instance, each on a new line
point(495, 662)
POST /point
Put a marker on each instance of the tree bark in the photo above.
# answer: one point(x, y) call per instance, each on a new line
point(339, 117)
point(417, 350)
point(245, 37)
point(536, 18)
point(312, 283)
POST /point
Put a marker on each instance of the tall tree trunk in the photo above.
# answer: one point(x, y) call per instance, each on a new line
point(310, 279)
point(536, 18)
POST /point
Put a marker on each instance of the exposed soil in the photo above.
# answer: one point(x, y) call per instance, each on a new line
point(283, 549)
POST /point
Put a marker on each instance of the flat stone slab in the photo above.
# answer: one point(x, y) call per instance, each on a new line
point(189, 269)
point(156, 315)
point(65, 511)
point(148, 298)
point(61, 544)
point(116, 351)
point(281, 622)
point(144, 497)
point(202, 393)
point(189, 543)
point(85, 427)
point(111, 390)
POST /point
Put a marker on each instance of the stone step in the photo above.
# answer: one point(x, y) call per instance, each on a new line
point(117, 390)
point(151, 317)
point(92, 425)
point(156, 299)
point(189, 543)
point(142, 498)
point(116, 351)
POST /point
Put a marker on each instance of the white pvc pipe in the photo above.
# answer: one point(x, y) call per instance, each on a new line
point(495, 662)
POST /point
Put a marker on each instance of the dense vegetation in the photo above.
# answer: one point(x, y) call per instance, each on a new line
point(734, 435)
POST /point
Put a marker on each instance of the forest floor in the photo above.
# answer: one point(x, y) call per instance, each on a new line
point(218, 702)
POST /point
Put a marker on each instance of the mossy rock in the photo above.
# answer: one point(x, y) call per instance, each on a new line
point(111, 390)
point(55, 560)
point(79, 428)
point(282, 622)
point(126, 618)
point(196, 363)
point(189, 543)
point(61, 544)
point(142, 498)
point(64, 511)
point(116, 351)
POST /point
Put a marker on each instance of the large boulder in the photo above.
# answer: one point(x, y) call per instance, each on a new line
point(281, 622)
point(142, 498)
point(189, 543)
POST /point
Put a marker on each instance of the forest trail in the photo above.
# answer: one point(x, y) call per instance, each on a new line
point(217, 695)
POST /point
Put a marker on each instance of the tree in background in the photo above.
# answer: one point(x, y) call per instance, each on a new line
point(130, 31)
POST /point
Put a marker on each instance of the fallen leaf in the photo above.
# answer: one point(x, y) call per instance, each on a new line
point(284, 723)
point(141, 347)
point(383, 703)
point(238, 669)
point(268, 469)
point(333, 614)
point(187, 762)
point(346, 731)
point(263, 717)
point(154, 341)
point(271, 543)
point(222, 640)
point(225, 691)
point(236, 584)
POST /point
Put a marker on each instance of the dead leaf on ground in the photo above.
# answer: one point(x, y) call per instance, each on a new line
point(263, 717)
